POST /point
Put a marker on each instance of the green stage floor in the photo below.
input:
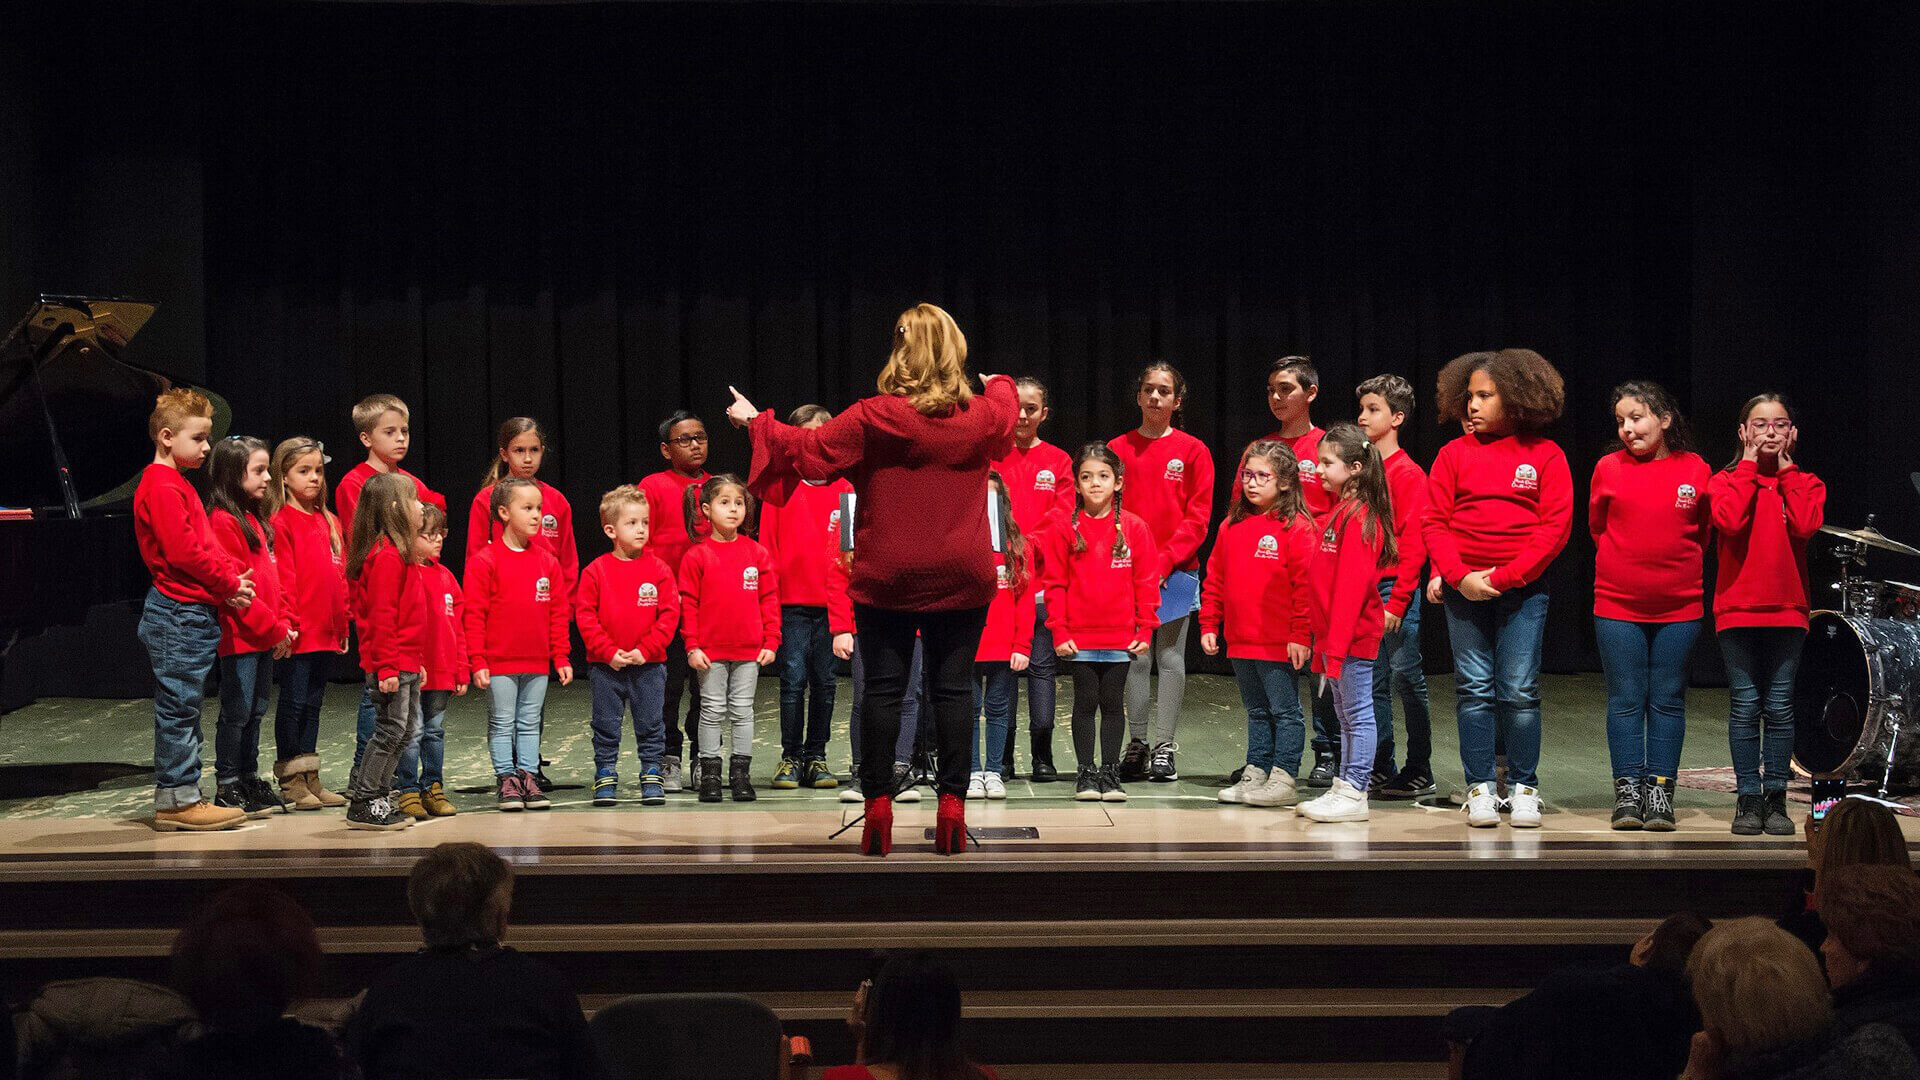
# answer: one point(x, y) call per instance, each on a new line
point(73, 757)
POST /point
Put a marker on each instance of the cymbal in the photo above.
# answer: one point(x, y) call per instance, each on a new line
point(1871, 537)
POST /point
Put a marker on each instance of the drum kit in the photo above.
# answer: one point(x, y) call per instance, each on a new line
point(1859, 679)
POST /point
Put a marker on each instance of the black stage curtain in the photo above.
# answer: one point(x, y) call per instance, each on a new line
point(596, 214)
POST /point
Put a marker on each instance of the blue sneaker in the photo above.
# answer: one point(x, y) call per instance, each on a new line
point(653, 790)
point(606, 786)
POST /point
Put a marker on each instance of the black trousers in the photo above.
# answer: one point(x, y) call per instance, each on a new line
point(680, 679)
point(949, 640)
point(1099, 685)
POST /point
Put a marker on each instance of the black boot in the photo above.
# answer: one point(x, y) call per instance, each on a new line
point(1747, 819)
point(1774, 819)
point(1042, 745)
point(1628, 812)
point(1657, 803)
point(1325, 768)
point(739, 776)
point(709, 779)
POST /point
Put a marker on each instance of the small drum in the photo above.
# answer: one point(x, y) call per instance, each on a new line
point(1869, 599)
point(1858, 678)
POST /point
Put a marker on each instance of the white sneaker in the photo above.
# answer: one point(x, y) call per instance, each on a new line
point(996, 787)
point(1523, 807)
point(1483, 807)
point(1251, 777)
point(1277, 791)
point(1343, 803)
point(977, 786)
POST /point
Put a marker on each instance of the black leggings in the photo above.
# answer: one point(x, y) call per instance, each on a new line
point(1102, 685)
point(949, 641)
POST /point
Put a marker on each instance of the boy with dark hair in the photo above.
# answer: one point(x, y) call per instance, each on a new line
point(683, 444)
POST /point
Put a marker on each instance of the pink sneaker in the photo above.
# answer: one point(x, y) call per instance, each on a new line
point(511, 798)
point(530, 794)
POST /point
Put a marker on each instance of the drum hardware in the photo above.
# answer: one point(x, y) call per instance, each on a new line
point(1895, 712)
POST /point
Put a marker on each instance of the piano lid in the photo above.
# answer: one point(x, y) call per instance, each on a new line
point(99, 401)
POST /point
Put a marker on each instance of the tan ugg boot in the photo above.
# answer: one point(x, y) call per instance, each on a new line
point(292, 774)
point(327, 798)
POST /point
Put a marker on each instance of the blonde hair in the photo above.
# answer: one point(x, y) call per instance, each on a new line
point(1856, 833)
point(1744, 961)
point(373, 407)
point(173, 406)
point(612, 502)
point(284, 455)
point(929, 362)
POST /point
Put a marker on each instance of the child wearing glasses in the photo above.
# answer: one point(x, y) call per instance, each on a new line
point(683, 443)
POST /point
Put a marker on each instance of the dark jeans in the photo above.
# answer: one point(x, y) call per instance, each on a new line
point(1042, 669)
point(680, 679)
point(1496, 661)
point(638, 689)
point(303, 687)
point(1398, 668)
point(1326, 722)
point(182, 641)
point(1274, 730)
point(246, 679)
point(1646, 667)
point(993, 691)
point(950, 640)
point(910, 706)
point(1099, 685)
point(425, 757)
point(807, 678)
point(1761, 664)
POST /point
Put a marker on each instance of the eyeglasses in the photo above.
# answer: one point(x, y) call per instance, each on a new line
point(1250, 478)
point(1770, 425)
point(688, 440)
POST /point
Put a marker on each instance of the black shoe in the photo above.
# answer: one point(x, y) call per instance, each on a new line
point(1774, 820)
point(235, 796)
point(1657, 803)
point(1086, 786)
point(377, 815)
point(265, 794)
point(1133, 763)
point(710, 779)
point(1043, 771)
point(1747, 819)
point(739, 779)
point(1160, 768)
point(1325, 768)
point(1629, 810)
point(1381, 776)
point(1411, 782)
point(540, 780)
point(1110, 789)
point(815, 774)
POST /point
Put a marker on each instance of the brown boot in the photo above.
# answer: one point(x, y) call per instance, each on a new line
point(319, 790)
point(292, 774)
point(200, 817)
point(435, 798)
point(409, 804)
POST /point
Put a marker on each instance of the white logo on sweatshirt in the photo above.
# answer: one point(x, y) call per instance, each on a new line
point(1330, 541)
point(1123, 562)
point(448, 597)
point(1176, 470)
point(649, 596)
point(549, 526)
point(1685, 496)
point(750, 579)
point(1000, 576)
point(1309, 470)
point(1267, 548)
point(542, 591)
point(1043, 480)
point(1525, 478)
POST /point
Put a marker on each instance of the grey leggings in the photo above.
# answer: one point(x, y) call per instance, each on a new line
point(726, 704)
point(1169, 651)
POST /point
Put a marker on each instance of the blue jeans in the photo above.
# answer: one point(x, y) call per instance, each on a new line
point(1042, 669)
point(909, 706)
point(1646, 666)
point(1496, 663)
point(1761, 664)
point(994, 686)
point(425, 757)
point(1276, 732)
point(182, 641)
point(1398, 668)
point(637, 688)
point(363, 725)
point(246, 679)
point(303, 687)
point(1353, 699)
point(513, 722)
point(807, 679)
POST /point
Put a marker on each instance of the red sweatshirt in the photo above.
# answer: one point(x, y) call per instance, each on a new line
point(1345, 577)
point(390, 608)
point(1407, 488)
point(627, 604)
point(1169, 484)
point(314, 576)
point(1649, 522)
point(1095, 599)
point(1255, 592)
point(1502, 502)
point(555, 535)
point(666, 494)
point(176, 541)
point(347, 495)
point(802, 531)
point(921, 524)
point(446, 630)
point(1040, 485)
point(1009, 627)
point(729, 600)
point(516, 614)
point(270, 618)
point(1764, 524)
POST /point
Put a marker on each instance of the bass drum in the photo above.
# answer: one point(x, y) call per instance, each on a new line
point(1858, 678)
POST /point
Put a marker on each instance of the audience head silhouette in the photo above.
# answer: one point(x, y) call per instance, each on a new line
point(460, 894)
point(913, 1020)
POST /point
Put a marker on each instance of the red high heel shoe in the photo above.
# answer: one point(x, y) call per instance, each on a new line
point(877, 836)
point(950, 828)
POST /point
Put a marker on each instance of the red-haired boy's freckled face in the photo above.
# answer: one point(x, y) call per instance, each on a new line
point(189, 445)
point(389, 437)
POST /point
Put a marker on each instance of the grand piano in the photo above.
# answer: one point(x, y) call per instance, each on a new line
point(73, 437)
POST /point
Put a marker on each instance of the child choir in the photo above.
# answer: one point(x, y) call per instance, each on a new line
point(1334, 542)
